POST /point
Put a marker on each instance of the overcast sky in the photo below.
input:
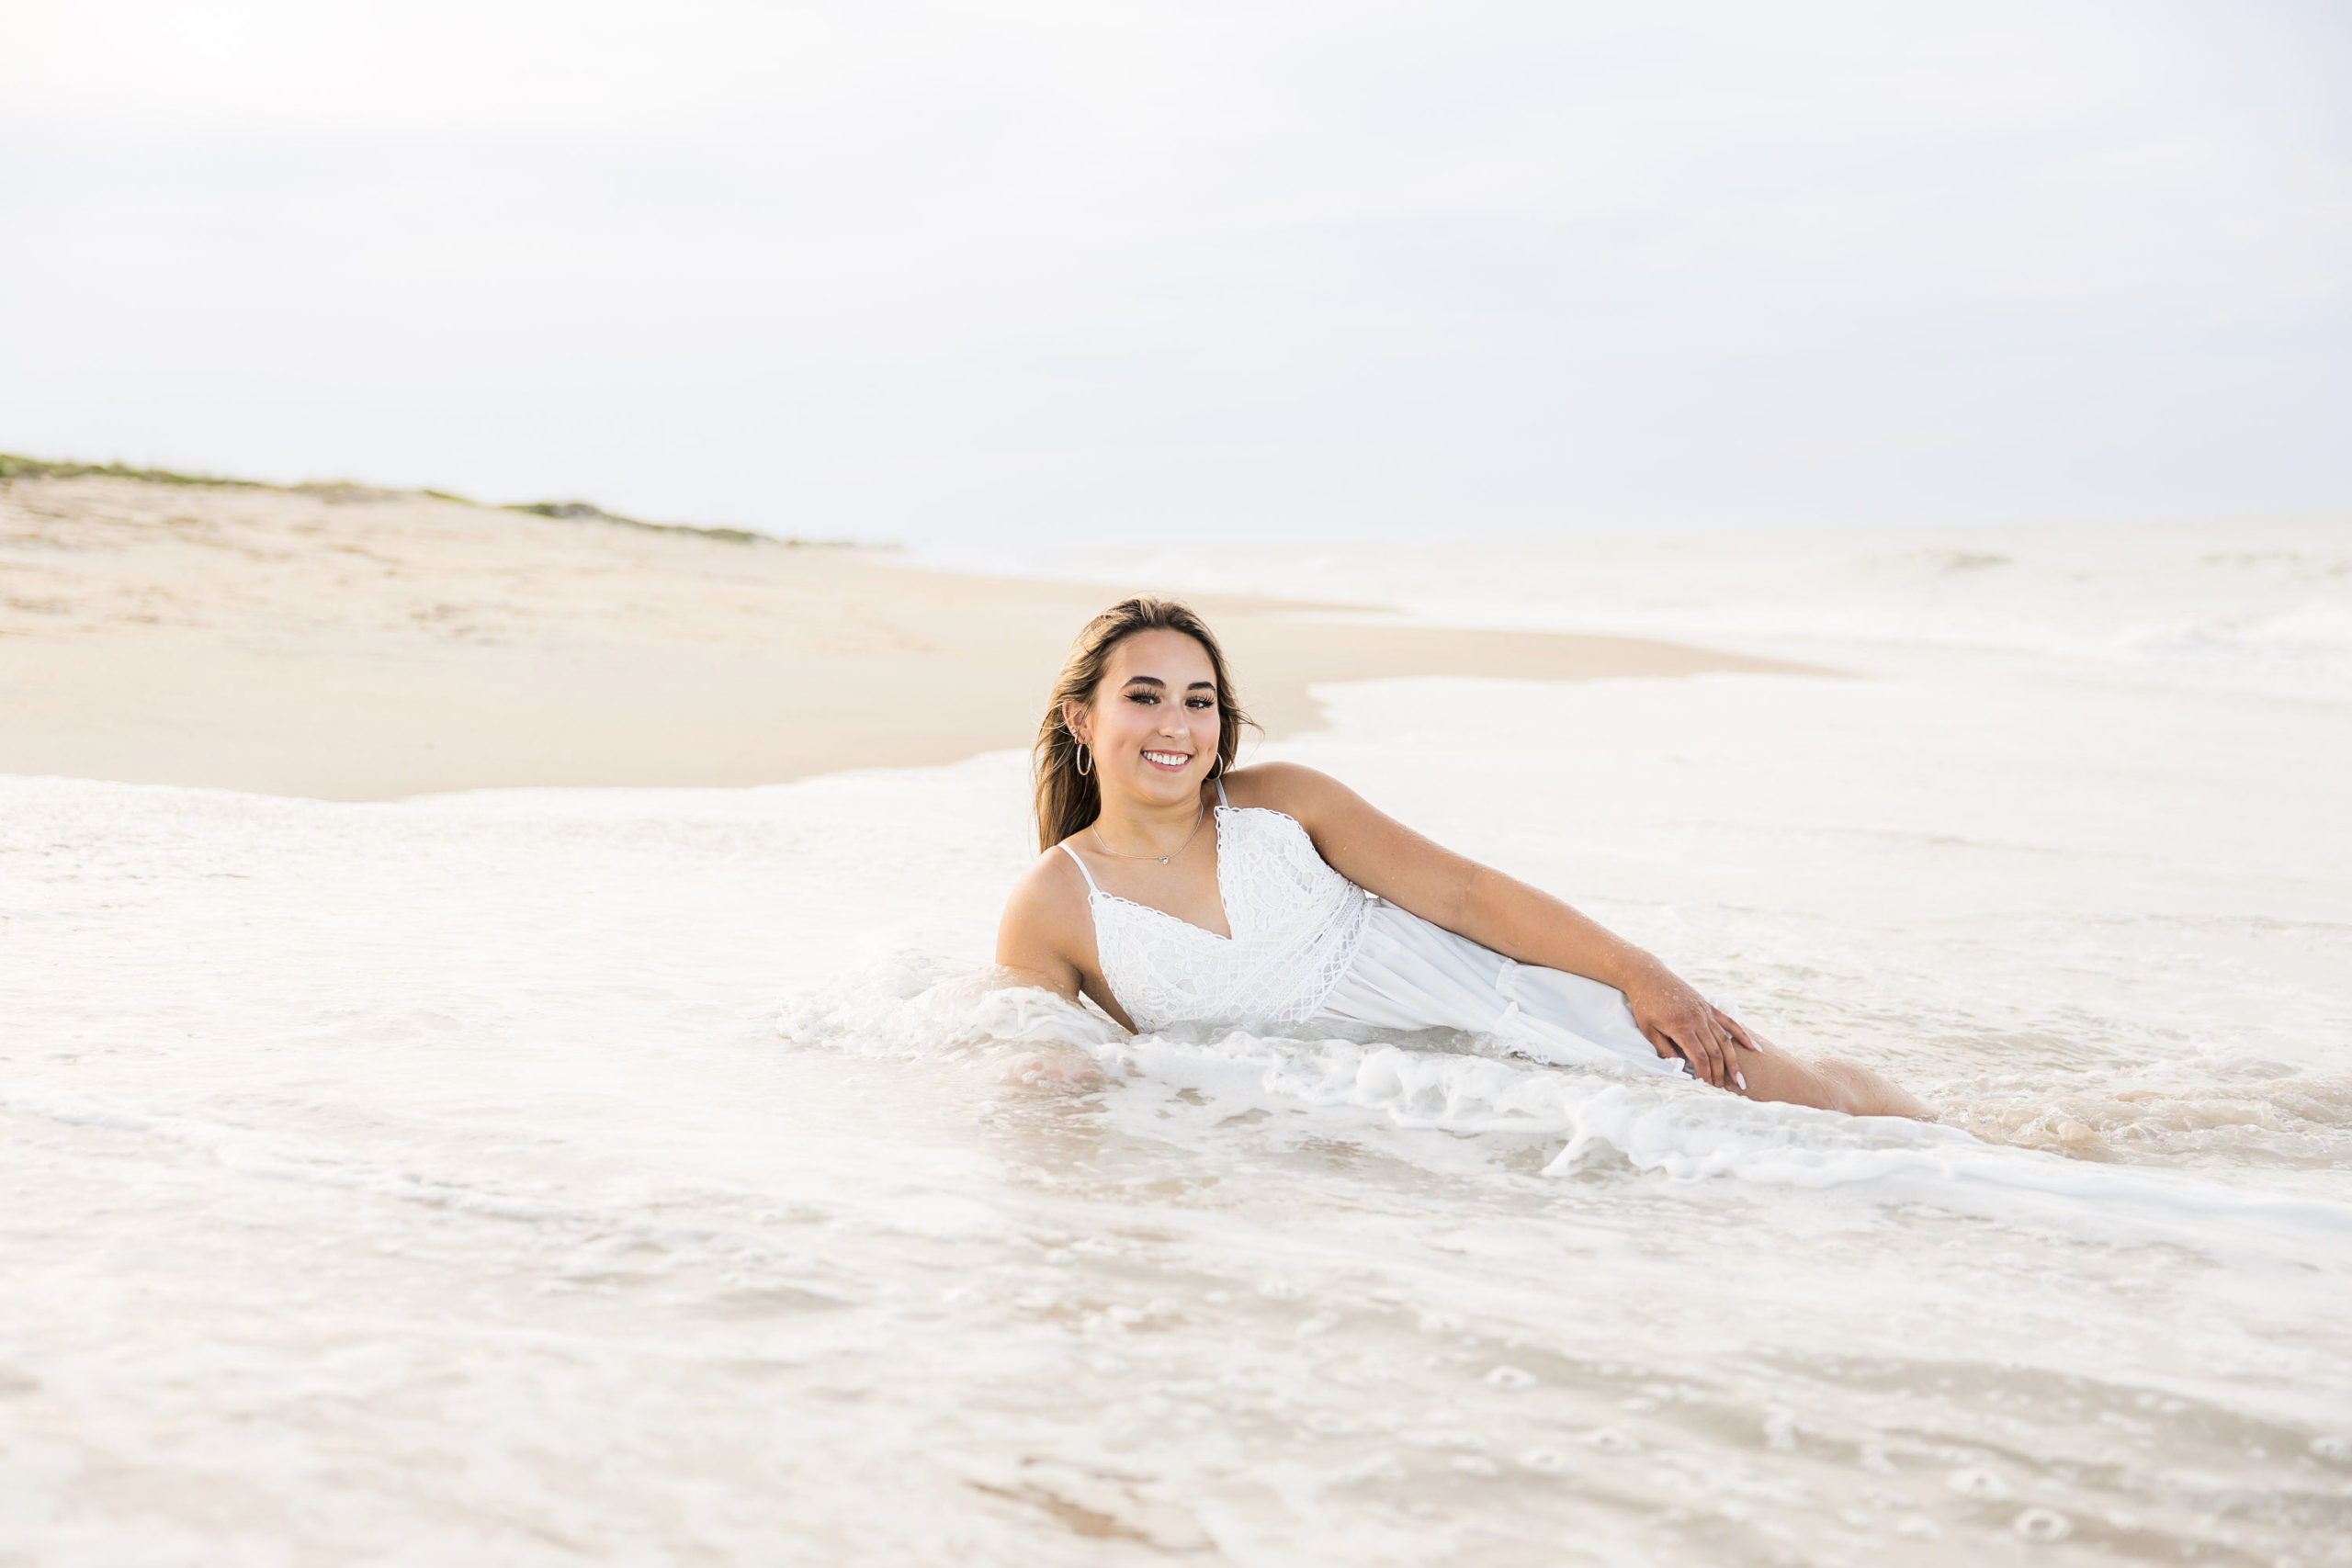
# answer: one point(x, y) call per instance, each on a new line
point(959, 273)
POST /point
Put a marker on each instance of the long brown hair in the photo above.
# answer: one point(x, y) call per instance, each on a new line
point(1069, 800)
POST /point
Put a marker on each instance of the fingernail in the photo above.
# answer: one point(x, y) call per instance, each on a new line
point(1742, 1078)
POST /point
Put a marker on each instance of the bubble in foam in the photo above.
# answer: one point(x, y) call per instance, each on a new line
point(1510, 1377)
point(1547, 1461)
point(2042, 1525)
point(2334, 1447)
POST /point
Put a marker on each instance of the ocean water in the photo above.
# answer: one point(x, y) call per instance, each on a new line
point(2262, 605)
point(653, 1176)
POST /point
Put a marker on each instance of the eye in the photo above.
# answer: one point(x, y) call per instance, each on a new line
point(1146, 698)
point(1200, 704)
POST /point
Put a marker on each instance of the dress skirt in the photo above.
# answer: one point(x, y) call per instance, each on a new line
point(1411, 974)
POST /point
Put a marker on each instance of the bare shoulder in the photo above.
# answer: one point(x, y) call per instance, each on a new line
point(1047, 934)
point(1303, 793)
point(1049, 894)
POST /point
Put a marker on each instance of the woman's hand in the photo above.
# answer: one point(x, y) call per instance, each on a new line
point(1678, 1022)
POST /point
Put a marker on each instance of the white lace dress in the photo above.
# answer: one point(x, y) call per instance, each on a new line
point(1312, 953)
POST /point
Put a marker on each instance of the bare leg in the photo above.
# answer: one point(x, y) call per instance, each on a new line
point(1832, 1084)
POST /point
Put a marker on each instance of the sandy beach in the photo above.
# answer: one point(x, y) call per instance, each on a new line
point(536, 544)
point(350, 644)
point(453, 1167)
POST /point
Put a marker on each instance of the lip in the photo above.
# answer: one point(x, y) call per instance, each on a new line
point(1183, 761)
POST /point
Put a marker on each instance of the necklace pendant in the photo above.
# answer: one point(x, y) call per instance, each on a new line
point(1163, 859)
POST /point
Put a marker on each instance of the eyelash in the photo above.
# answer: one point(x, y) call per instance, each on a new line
point(1198, 704)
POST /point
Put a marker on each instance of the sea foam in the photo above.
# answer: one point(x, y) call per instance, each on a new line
point(913, 1006)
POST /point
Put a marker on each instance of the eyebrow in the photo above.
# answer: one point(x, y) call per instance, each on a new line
point(1156, 681)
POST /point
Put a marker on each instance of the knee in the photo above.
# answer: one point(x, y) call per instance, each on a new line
point(1844, 1086)
point(1857, 1091)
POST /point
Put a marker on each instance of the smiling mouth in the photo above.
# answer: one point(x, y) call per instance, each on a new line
point(1169, 759)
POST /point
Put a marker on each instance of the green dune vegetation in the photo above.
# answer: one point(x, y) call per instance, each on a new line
point(14, 466)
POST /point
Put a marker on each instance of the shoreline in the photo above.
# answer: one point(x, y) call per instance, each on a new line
point(352, 644)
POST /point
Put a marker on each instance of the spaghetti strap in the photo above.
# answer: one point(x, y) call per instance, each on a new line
point(1081, 867)
point(1220, 793)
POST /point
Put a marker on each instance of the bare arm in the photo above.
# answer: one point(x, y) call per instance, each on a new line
point(1381, 854)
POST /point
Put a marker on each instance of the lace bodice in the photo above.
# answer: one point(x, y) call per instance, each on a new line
point(1296, 924)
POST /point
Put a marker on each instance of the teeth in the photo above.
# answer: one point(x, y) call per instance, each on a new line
point(1168, 759)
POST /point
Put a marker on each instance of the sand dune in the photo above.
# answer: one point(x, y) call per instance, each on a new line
point(358, 645)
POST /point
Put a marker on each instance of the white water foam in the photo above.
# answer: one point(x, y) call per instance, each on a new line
point(1474, 1089)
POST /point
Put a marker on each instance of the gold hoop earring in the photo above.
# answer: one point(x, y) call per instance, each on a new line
point(1085, 760)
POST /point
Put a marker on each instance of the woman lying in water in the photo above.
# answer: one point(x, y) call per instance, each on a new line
point(1176, 888)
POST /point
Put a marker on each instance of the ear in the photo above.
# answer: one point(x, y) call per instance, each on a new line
point(1077, 721)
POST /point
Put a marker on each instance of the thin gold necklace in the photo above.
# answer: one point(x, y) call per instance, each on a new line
point(1198, 818)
